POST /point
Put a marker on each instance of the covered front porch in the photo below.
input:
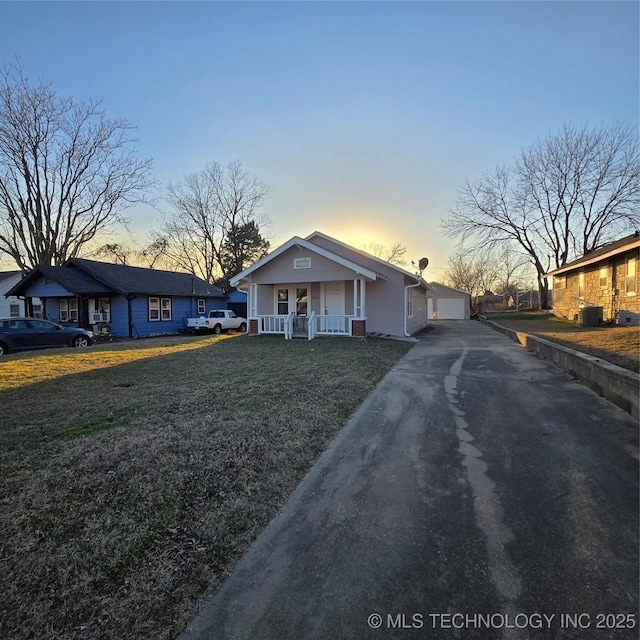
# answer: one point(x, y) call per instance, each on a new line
point(307, 310)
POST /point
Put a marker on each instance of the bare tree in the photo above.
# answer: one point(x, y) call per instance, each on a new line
point(206, 207)
point(475, 274)
point(115, 252)
point(395, 254)
point(565, 196)
point(67, 173)
point(513, 271)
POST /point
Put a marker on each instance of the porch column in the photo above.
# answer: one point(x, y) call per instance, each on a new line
point(355, 298)
point(359, 321)
point(359, 287)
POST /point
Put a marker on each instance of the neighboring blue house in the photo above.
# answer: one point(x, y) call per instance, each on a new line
point(131, 301)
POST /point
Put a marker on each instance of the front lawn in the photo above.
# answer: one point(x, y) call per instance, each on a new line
point(619, 345)
point(134, 475)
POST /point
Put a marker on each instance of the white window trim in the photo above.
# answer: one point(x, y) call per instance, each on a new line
point(201, 304)
point(302, 263)
point(164, 309)
point(67, 309)
point(150, 300)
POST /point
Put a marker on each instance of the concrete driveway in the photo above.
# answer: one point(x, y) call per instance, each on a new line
point(477, 493)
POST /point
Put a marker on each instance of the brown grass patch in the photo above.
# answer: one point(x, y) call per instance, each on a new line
point(618, 345)
point(134, 475)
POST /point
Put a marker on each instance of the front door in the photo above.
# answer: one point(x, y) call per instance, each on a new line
point(334, 299)
point(334, 306)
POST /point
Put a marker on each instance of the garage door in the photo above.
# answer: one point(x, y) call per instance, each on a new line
point(452, 309)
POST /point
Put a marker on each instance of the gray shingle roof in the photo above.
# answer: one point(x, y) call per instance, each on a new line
point(88, 277)
point(137, 280)
point(601, 251)
point(4, 275)
point(74, 280)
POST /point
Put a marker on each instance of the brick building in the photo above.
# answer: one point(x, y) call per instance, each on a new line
point(607, 278)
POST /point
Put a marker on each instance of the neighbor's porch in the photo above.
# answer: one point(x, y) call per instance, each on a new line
point(307, 310)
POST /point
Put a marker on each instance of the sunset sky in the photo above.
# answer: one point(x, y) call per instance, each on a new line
point(364, 117)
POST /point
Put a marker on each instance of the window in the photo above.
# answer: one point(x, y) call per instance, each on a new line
point(301, 302)
point(154, 309)
point(581, 285)
point(37, 311)
point(99, 310)
point(560, 282)
point(603, 277)
point(410, 304)
point(202, 306)
point(283, 302)
point(159, 309)
point(630, 281)
point(14, 310)
point(166, 308)
point(302, 263)
point(69, 309)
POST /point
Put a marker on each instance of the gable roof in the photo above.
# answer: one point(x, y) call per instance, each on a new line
point(308, 243)
point(363, 253)
point(296, 241)
point(89, 277)
point(72, 280)
point(607, 251)
point(443, 291)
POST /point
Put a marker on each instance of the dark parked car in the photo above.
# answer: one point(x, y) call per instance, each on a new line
point(20, 334)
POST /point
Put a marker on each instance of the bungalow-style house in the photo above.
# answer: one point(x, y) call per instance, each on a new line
point(320, 286)
point(129, 301)
point(605, 279)
point(447, 303)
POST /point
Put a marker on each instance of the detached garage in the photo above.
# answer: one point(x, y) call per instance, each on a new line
point(446, 303)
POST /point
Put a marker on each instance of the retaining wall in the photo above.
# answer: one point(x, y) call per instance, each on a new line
point(616, 384)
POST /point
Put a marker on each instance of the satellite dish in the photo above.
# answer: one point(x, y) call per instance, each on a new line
point(423, 263)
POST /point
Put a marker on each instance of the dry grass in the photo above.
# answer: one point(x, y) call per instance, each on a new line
point(619, 345)
point(134, 475)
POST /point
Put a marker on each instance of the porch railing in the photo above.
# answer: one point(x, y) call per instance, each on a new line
point(272, 324)
point(316, 325)
point(332, 325)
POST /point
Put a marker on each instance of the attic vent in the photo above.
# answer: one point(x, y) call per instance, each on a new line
point(302, 263)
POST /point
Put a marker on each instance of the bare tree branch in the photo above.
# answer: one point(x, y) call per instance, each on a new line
point(67, 173)
point(395, 253)
point(566, 195)
point(208, 208)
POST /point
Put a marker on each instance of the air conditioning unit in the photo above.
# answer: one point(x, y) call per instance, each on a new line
point(590, 316)
point(99, 317)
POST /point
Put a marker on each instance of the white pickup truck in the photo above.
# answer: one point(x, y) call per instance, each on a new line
point(217, 321)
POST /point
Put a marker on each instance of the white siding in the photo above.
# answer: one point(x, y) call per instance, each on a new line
point(5, 303)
